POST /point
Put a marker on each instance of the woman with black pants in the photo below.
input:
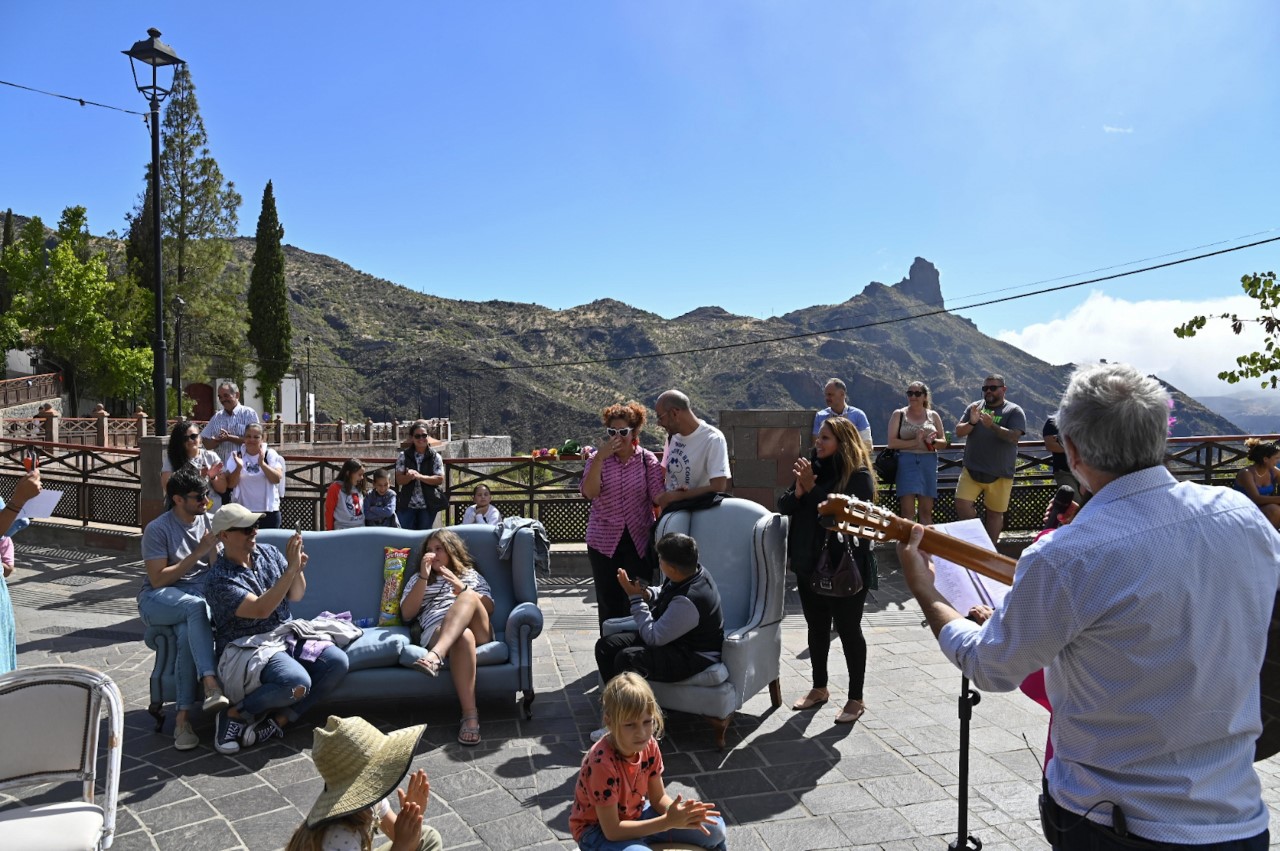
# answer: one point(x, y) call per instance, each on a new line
point(840, 463)
point(622, 479)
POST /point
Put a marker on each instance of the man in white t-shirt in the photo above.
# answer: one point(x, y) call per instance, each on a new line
point(837, 398)
point(696, 458)
point(225, 432)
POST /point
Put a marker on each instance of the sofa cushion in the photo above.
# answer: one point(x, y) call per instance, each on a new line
point(493, 653)
point(379, 647)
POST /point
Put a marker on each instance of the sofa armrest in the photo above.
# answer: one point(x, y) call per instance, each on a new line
point(613, 626)
point(753, 657)
point(524, 624)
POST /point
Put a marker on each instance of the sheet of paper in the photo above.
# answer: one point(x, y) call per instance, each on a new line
point(962, 587)
point(41, 505)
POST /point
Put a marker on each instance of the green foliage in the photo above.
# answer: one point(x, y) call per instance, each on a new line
point(1263, 288)
point(6, 239)
point(270, 331)
point(74, 314)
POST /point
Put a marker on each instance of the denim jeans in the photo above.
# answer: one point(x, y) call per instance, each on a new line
point(283, 674)
point(182, 607)
point(416, 518)
point(594, 839)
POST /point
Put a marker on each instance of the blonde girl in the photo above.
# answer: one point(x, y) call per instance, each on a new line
point(452, 602)
point(361, 766)
point(620, 803)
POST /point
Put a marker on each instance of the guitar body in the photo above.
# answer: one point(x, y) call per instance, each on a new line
point(865, 520)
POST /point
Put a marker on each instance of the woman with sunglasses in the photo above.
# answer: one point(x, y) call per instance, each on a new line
point(186, 448)
point(419, 472)
point(916, 432)
point(254, 471)
point(623, 481)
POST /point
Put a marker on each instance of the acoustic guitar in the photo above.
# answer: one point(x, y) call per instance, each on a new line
point(865, 520)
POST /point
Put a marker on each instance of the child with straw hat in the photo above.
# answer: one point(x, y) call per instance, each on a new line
point(361, 766)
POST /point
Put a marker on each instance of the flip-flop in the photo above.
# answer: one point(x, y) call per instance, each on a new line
point(468, 730)
point(427, 667)
point(849, 717)
point(808, 702)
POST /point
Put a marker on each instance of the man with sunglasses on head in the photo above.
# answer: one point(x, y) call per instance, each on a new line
point(991, 429)
point(176, 549)
point(249, 589)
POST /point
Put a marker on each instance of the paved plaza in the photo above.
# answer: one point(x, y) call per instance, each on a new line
point(787, 781)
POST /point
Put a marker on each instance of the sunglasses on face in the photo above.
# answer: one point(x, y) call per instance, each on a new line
point(991, 388)
point(245, 530)
point(201, 496)
point(419, 437)
point(915, 392)
point(618, 432)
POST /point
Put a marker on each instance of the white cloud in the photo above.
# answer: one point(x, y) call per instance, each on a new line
point(1141, 333)
point(1107, 128)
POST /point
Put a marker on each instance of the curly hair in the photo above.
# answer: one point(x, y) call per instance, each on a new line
point(1260, 450)
point(633, 412)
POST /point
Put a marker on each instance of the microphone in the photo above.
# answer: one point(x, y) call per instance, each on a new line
point(1061, 502)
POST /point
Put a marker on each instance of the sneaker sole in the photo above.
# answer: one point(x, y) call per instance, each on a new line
point(216, 705)
point(227, 749)
point(186, 746)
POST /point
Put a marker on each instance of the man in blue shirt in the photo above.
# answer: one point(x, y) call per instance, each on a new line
point(1149, 613)
point(838, 405)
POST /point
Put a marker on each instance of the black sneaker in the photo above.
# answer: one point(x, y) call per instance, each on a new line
point(229, 731)
point(260, 732)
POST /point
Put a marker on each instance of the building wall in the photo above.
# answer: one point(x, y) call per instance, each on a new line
point(763, 448)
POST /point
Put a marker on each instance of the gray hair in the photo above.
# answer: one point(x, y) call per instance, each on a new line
point(230, 385)
point(674, 399)
point(1116, 417)
point(834, 382)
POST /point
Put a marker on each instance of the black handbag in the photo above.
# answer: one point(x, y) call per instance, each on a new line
point(887, 465)
point(836, 572)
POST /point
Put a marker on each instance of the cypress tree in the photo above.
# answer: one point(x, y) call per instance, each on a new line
point(270, 331)
point(6, 296)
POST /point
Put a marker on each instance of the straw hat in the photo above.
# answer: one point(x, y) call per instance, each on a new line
point(360, 765)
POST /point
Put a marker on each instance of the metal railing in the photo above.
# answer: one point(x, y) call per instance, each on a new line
point(102, 485)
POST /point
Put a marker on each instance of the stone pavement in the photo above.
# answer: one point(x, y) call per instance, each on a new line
point(787, 781)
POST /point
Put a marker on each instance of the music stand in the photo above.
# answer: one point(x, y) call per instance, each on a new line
point(964, 841)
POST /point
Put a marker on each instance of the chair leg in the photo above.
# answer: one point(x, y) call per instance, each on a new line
point(721, 727)
point(156, 710)
point(527, 703)
point(775, 693)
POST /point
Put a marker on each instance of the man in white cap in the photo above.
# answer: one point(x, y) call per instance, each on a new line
point(249, 589)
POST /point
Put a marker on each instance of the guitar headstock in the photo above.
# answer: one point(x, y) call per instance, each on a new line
point(855, 517)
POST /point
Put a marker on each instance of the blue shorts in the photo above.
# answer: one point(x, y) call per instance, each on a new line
point(918, 474)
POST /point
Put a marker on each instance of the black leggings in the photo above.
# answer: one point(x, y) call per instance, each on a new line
point(611, 600)
point(819, 612)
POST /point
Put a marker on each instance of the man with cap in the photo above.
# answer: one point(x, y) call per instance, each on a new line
point(249, 589)
point(361, 767)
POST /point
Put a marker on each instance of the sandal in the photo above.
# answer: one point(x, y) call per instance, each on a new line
point(809, 701)
point(849, 716)
point(469, 733)
point(426, 665)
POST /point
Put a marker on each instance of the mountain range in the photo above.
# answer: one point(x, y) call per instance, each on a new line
point(543, 375)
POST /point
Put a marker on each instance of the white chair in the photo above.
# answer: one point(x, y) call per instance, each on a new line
point(744, 547)
point(50, 716)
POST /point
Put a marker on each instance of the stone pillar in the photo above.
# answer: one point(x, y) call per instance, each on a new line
point(277, 430)
point(141, 416)
point(368, 430)
point(151, 495)
point(342, 430)
point(51, 426)
point(102, 421)
point(763, 448)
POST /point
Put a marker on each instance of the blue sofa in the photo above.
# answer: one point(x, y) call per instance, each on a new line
point(344, 573)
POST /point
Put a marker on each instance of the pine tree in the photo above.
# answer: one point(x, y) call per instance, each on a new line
point(199, 214)
point(270, 331)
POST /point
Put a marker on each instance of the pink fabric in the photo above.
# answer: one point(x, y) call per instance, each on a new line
point(6, 550)
point(627, 494)
point(1034, 688)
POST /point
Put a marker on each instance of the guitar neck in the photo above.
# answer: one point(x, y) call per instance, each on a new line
point(981, 561)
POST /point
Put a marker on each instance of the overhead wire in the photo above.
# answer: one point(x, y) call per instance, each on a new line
point(81, 101)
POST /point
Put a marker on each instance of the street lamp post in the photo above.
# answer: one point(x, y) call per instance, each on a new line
point(419, 388)
point(307, 402)
point(179, 305)
point(154, 52)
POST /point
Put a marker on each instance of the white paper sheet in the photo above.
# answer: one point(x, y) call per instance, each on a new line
point(963, 588)
point(41, 505)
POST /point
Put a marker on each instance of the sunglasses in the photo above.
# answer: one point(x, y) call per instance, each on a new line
point(618, 432)
point(245, 530)
point(200, 496)
point(991, 388)
point(915, 392)
point(419, 437)
point(191, 437)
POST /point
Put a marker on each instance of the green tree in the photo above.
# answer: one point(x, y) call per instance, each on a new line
point(6, 239)
point(71, 311)
point(270, 331)
point(199, 215)
point(1263, 288)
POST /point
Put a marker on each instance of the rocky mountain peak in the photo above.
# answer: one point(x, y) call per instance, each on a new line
point(922, 283)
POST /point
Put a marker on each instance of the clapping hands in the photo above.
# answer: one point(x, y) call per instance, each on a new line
point(691, 813)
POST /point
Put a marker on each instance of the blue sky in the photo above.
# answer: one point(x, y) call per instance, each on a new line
point(761, 156)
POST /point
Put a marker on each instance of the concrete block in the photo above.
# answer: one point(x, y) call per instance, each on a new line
point(754, 474)
point(744, 444)
point(778, 443)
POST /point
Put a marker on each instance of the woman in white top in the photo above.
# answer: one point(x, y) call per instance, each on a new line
point(916, 432)
point(185, 447)
point(254, 471)
point(483, 511)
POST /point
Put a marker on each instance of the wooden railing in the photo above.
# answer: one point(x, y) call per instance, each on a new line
point(17, 391)
point(101, 485)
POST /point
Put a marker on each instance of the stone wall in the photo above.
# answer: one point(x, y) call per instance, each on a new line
point(763, 448)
